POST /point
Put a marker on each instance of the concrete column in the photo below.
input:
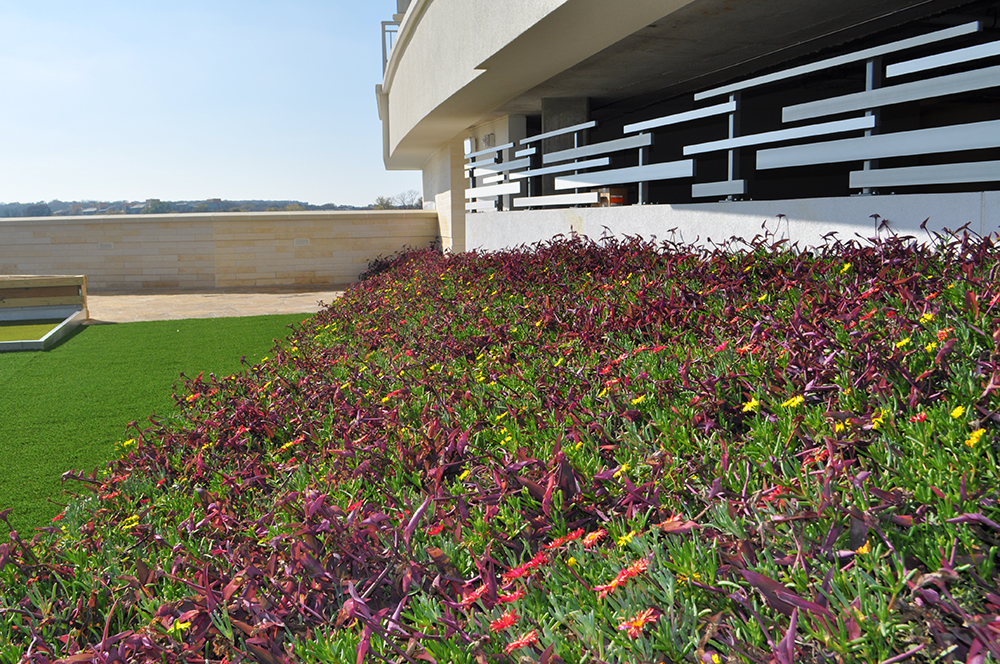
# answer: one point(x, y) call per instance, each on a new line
point(558, 113)
point(445, 182)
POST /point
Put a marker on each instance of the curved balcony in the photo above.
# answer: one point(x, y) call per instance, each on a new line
point(455, 63)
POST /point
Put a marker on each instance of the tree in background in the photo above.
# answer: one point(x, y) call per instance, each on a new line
point(38, 210)
point(407, 200)
point(156, 206)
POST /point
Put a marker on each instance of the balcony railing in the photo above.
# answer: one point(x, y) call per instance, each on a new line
point(389, 31)
point(937, 155)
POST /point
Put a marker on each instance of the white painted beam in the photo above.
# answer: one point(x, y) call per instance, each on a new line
point(838, 126)
point(664, 171)
point(966, 81)
point(858, 56)
point(975, 171)
point(973, 136)
point(687, 116)
point(587, 198)
point(640, 141)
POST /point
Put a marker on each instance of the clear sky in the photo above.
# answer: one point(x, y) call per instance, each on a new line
point(190, 99)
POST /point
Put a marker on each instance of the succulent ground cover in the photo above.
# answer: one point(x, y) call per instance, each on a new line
point(578, 452)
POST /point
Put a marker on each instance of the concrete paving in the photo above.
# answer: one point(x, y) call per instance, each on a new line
point(134, 307)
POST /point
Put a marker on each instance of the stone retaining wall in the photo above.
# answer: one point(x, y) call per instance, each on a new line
point(209, 251)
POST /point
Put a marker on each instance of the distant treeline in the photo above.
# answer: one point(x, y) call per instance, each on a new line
point(406, 200)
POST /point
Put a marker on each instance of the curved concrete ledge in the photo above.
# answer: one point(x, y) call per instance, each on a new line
point(482, 55)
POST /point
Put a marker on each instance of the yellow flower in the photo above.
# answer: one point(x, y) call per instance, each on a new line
point(847, 266)
point(794, 402)
point(571, 561)
point(638, 400)
point(958, 412)
point(129, 523)
point(751, 405)
point(864, 548)
point(878, 420)
point(762, 297)
point(926, 318)
point(178, 628)
point(465, 474)
point(838, 427)
point(974, 437)
point(625, 539)
point(622, 471)
point(903, 342)
point(931, 347)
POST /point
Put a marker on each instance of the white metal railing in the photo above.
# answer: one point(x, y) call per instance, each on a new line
point(389, 31)
point(585, 167)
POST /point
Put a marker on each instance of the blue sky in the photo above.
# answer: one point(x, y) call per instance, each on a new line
point(185, 100)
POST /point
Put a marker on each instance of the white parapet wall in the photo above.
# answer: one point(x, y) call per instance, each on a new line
point(803, 221)
point(211, 251)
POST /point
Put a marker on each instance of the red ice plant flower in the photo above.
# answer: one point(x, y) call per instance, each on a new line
point(504, 621)
point(522, 642)
point(522, 570)
point(633, 626)
point(593, 538)
point(635, 569)
point(511, 597)
point(568, 537)
point(473, 596)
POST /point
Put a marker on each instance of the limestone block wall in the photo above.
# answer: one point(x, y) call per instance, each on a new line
point(209, 251)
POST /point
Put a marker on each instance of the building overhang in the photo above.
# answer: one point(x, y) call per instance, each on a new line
point(454, 66)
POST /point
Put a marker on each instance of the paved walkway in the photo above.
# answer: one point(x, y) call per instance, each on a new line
point(132, 307)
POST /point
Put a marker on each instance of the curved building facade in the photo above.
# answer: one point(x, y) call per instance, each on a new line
point(536, 117)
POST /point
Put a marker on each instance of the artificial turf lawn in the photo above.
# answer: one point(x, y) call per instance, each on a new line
point(34, 330)
point(66, 407)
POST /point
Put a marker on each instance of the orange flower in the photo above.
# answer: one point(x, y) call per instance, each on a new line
point(635, 569)
point(504, 621)
point(593, 538)
point(633, 626)
point(525, 640)
point(943, 334)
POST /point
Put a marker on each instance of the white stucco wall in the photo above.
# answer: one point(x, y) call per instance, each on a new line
point(804, 221)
